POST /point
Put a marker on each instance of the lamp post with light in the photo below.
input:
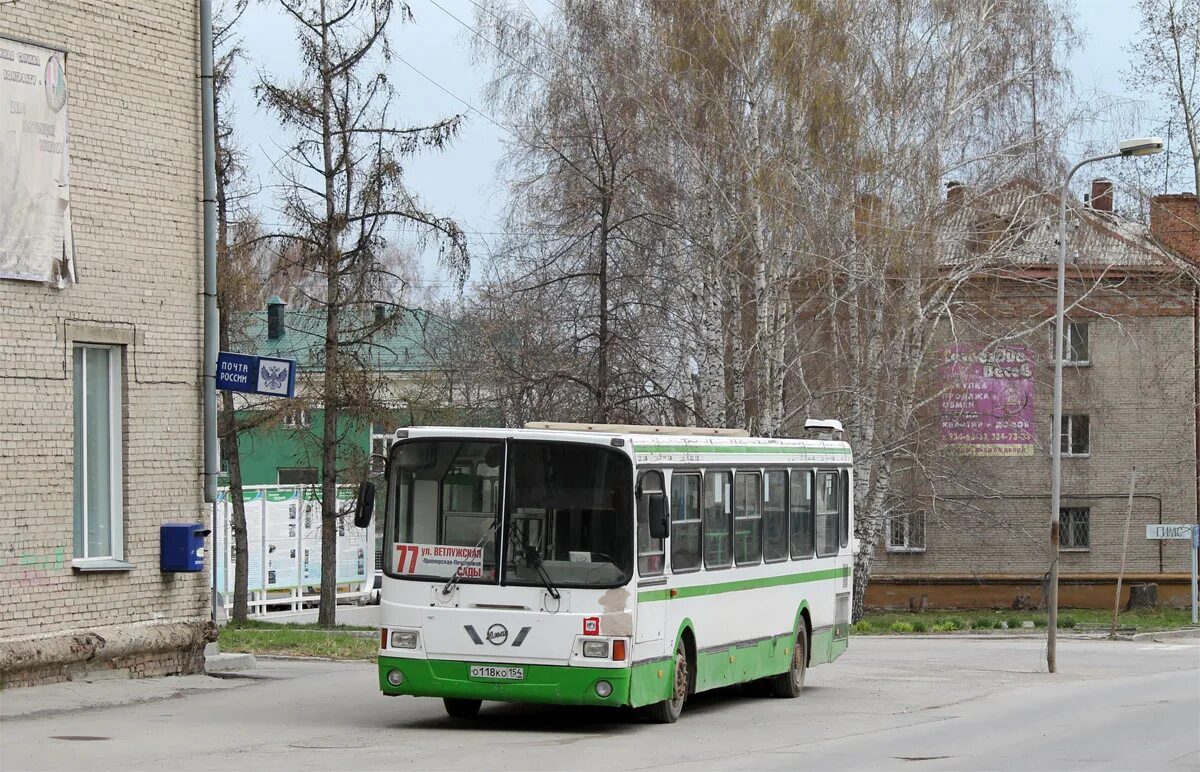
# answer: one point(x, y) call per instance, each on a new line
point(1126, 149)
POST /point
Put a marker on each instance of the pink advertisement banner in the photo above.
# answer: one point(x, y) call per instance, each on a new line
point(986, 406)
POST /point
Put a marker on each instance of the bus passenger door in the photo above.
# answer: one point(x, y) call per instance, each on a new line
point(651, 615)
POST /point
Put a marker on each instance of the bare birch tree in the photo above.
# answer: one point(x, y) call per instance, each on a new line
point(344, 193)
point(1167, 63)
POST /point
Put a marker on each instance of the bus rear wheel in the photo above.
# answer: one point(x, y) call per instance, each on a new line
point(791, 683)
point(667, 711)
point(460, 708)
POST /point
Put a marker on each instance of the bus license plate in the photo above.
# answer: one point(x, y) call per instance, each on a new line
point(502, 673)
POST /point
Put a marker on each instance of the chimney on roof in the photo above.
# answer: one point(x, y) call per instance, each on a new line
point(1175, 223)
point(1101, 199)
point(380, 314)
point(275, 307)
point(955, 192)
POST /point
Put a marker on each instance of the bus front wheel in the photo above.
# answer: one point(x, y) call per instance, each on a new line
point(667, 711)
point(459, 708)
point(791, 683)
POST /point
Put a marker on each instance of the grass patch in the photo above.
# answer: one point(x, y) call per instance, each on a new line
point(1089, 620)
point(300, 641)
point(257, 624)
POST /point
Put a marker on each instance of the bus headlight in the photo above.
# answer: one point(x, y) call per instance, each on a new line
point(395, 677)
point(595, 649)
point(405, 639)
point(603, 688)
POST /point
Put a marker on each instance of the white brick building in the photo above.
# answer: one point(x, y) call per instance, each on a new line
point(95, 456)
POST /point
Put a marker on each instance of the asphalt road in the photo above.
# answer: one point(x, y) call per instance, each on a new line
point(890, 703)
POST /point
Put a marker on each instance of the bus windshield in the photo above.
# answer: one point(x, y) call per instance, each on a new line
point(569, 513)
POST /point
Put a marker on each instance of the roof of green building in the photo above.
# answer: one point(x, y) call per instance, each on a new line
point(409, 342)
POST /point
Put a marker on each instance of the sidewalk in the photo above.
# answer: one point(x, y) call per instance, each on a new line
point(101, 692)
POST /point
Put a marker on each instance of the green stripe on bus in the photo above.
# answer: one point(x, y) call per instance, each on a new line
point(741, 584)
point(738, 449)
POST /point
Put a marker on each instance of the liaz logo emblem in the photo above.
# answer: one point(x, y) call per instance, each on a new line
point(591, 625)
point(496, 635)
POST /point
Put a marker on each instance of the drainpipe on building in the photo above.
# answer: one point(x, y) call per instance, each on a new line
point(211, 463)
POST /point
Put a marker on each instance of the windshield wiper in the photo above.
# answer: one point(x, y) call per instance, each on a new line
point(453, 580)
point(534, 559)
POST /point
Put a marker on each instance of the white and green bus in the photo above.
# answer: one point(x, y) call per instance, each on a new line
point(610, 565)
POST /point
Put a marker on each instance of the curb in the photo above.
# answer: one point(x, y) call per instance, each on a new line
point(1183, 632)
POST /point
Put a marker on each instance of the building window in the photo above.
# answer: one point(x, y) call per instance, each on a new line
point(1074, 528)
point(1075, 344)
point(905, 533)
point(297, 476)
point(296, 418)
point(97, 473)
point(381, 438)
point(1075, 437)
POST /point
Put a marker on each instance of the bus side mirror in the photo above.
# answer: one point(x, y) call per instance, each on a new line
point(364, 505)
point(660, 522)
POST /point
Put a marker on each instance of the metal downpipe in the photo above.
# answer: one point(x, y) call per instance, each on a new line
point(212, 466)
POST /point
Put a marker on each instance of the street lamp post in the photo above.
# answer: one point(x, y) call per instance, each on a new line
point(1126, 149)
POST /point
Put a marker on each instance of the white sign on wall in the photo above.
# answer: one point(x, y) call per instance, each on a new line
point(1165, 531)
point(35, 202)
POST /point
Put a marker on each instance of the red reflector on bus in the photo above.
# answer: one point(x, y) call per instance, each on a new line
point(383, 638)
point(618, 651)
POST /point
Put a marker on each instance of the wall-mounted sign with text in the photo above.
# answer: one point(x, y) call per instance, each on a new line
point(256, 375)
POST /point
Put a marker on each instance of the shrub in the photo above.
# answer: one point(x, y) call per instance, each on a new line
point(918, 626)
point(1066, 622)
point(862, 626)
point(901, 627)
point(1014, 623)
point(1039, 622)
point(982, 623)
point(952, 623)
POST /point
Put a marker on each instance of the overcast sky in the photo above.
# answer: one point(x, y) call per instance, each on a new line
point(462, 181)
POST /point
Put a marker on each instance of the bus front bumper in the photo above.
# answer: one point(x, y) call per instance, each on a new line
point(552, 684)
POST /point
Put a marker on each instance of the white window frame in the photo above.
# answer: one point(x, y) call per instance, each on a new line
point(1066, 431)
point(115, 559)
point(297, 417)
point(903, 524)
point(1068, 326)
point(1062, 547)
point(380, 441)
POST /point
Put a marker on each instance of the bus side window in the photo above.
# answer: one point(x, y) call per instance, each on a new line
point(685, 522)
point(844, 507)
point(775, 521)
point(800, 502)
point(650, 551)
point(718, 520)
point(747, 518)
point(827, 513)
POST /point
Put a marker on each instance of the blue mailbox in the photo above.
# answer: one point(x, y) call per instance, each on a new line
point(182, 546)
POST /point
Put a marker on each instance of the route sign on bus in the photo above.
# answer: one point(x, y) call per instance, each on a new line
point(256, 375)
point(1172, 531)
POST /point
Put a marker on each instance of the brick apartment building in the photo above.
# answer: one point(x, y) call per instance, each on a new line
point(975, 530)
point(100, 337)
